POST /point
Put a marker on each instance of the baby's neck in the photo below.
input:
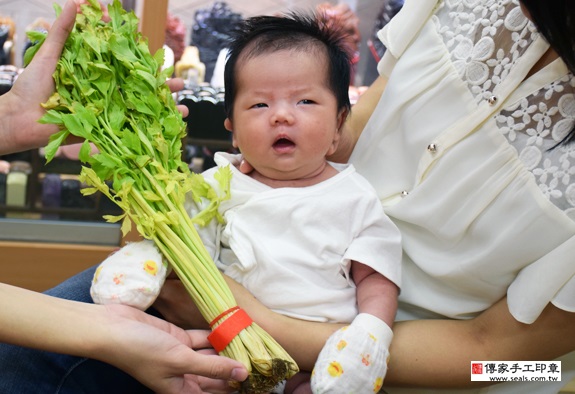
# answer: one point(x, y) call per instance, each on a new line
point(322, 174)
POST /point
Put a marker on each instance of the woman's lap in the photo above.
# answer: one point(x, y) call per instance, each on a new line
point(26, 370)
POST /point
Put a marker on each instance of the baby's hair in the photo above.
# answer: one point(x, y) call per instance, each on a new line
point(294, 31)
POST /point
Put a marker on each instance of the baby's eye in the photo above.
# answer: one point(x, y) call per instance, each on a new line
point(306, 101)
point(259, 105)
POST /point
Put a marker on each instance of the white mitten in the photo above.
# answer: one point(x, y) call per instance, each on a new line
point(354, 358)
point(131, 276)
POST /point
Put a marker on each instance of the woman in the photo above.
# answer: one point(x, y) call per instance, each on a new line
point(468, 150)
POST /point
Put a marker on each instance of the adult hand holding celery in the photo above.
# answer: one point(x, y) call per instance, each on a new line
point(111, 92)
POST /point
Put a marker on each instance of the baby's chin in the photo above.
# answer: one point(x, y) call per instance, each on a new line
point(283, 178)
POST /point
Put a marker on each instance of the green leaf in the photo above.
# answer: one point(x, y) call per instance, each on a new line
point(57, 9)
point(108, 160)
point(93, 42)
point(126, 226)
point(52, 117)
point(206, 215)
point(131, 142)
point(159, 57)
point(56, 140)
point(224, 177)
point(85, 152)
point(138, 104)
point(151, 196)
point(147, 77)
point(173, 126)
point(86, 115)
point(88, 191)
point(31, 51)
point(143, 160)
point(120, 47)
point(114, 218)
point(115, 12)
point(101, 171)
point(74, 125)
point(92, 11)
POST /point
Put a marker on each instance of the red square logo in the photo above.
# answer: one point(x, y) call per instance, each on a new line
point(476, 368)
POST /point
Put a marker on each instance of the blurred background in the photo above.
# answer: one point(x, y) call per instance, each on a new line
point(25, 14)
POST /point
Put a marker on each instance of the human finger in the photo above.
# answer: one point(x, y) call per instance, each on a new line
point(175, 85)
point(199, 340)
point(58, 33)
point(211, 371)
point(185, 111)
point(210, 378)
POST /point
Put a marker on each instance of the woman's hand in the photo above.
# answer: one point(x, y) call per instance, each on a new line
point(20, 107)
point(161, 356)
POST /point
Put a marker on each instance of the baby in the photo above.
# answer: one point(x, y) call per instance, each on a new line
point(307, 237)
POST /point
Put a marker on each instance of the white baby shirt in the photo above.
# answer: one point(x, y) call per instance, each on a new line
point(292, 247)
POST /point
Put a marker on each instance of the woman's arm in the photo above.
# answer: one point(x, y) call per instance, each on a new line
point(155, 352)
point(357, 120)
point(424, 353)
point(422, 348)
point(437, 353)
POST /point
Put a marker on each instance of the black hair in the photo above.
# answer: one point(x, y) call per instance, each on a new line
point(268, 34)
point(555, 20)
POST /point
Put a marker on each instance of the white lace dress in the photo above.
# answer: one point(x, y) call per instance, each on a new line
point(459, 153)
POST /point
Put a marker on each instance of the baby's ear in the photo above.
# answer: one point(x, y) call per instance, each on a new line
point(334, 144)
point(228, 124)
point(229, 127)
point(341, 118)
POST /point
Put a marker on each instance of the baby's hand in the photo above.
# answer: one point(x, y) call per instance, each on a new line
point(245, 167)
point(132, 276)
point(354, 358)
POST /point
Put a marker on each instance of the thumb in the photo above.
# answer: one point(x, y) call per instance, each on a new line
point(59, 32)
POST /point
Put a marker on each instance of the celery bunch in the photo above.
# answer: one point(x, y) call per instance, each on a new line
point(111, 92)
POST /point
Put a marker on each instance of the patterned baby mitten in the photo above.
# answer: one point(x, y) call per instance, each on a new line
point(131, 276)
point(354, 358)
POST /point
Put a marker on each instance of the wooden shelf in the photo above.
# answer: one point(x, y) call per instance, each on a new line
point(40, 266)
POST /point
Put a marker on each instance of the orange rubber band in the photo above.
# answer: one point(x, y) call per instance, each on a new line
point(218, 317)
point(223, 334)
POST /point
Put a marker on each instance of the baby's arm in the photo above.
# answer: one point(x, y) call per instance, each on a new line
point(131, 276)
point(355, 357)
point(376, 294)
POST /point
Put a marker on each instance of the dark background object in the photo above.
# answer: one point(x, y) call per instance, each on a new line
point(211, 32)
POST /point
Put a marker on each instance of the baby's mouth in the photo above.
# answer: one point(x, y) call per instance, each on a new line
point(283, 143)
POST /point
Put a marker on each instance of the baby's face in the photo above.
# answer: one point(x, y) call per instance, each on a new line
point(285, 118)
